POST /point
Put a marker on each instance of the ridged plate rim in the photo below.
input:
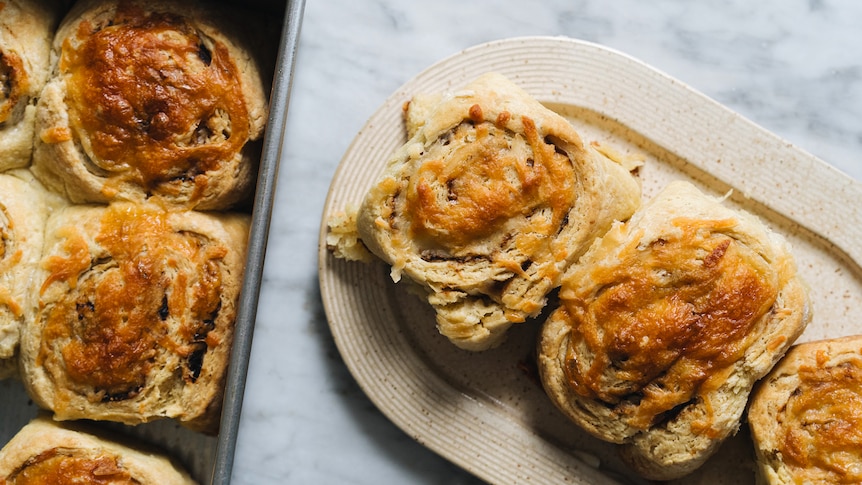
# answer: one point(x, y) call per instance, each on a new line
point(567, 71)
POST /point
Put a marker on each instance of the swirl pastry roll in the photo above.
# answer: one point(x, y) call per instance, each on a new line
point(664, 326)
point(487, 204)
point(26, 30)
point(155, 99)
point(136, 314)
point(63, 453)
point(806, 415)
point(22, 219)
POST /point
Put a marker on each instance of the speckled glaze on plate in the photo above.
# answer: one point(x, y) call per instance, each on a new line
point(486, 412)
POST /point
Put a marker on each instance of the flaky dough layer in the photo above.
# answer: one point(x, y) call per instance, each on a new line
point(23, 212)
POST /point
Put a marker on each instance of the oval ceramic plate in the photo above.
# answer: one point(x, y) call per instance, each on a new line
point(486, 411)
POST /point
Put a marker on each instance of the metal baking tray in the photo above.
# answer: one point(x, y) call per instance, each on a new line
point(210, 458)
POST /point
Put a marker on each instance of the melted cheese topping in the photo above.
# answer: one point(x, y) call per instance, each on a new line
point(153, 99)
point(473, 181)
point(664, 320)
point(821, 434)
point(68, 467)
point(150, 290)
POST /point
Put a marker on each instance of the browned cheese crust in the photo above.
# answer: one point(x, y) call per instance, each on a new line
point(806, 415)
point(151, 100)
point(136, 314)
point(486, 205)
point(49, 453)
point(664, 326)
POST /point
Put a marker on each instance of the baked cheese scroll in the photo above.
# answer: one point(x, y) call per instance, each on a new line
point(22, 217)
point(806, 415)
point(26, 30)
point(151, 99)
point(136, 314)
point(492, 198)
point(47, 452)
point(664, 326)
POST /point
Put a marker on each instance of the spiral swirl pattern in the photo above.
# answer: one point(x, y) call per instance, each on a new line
point(26, 28)
point(805, 417)
point(136, 314)
point(150, 100)
point(487, 204)
point(666, 323)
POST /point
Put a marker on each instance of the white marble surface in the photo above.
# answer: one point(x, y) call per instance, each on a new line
point(792, 66)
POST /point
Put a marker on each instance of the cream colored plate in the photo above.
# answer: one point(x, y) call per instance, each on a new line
point(486, 412)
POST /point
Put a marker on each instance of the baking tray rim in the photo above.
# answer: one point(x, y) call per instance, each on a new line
point(264, 198)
